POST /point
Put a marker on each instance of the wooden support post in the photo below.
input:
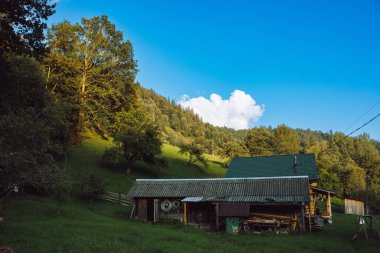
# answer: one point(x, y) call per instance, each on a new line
point(185, 213)
point(294, 222)
point(154, 210)
point(303, 217)
point(309, 218)
point(217, 215)
point(328, 204)
point(133, 210)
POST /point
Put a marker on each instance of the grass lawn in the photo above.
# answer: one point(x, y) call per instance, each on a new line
point(39, 225)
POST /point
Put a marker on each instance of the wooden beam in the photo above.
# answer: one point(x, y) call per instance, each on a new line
point(155, 210)
point(217, 215)
point(309, 218)
point(313, 184)
point(303, 218)
point(274, 216)
point(185, 213)
point(328, 204)
point(294, 223)
point(133, 210)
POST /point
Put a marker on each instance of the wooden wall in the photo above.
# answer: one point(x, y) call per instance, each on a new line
point(201, 215)
point(145, 205)
point(312, 204)
point(141, 209)
point(353, 207)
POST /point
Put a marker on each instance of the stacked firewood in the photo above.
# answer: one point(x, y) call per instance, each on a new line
point(272, 222)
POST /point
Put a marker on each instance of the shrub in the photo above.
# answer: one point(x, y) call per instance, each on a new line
point(62, 188)
point(112, 158)
point(93, 185)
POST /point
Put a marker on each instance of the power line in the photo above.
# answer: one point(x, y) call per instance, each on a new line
point(364, 114)
point(357, 129)
point(369, 121)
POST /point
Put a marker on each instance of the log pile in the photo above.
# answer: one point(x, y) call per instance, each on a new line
point(270, 222)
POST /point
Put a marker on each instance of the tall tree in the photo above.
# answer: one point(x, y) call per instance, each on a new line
point(139, 140)
point(233, 149)
point(22, 25)
point(100, 69)
point(285, 141)
point(32, 128)
point(259, 141)
point(195, 152)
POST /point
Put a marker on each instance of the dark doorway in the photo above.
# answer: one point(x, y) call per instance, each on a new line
point(150, 210)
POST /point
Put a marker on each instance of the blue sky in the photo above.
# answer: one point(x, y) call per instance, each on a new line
point(311, 64)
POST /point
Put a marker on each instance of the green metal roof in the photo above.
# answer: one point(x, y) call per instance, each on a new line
point(269, 189)
point(270, 166)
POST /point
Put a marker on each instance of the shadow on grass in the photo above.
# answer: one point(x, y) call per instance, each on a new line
point(139, 169)
point(179, 168)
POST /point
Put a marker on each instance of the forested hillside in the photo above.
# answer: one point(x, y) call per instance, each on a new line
point(180, 126)
point(343, 161)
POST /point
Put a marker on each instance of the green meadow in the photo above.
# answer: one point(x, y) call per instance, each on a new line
point(85, 158)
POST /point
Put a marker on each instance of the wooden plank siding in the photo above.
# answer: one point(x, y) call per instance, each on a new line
point(142, 206)
point(353, 207)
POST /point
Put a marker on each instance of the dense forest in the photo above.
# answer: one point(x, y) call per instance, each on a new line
point(81, 77)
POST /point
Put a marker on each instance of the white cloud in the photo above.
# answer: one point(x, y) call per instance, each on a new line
point(240, 111)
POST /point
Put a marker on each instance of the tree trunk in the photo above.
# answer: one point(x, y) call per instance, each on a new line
point(83, 84)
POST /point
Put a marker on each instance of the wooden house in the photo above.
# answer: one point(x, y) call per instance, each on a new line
point(286, 165)
point(207, 203)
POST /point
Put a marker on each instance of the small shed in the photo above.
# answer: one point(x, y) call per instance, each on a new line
point(205, 203)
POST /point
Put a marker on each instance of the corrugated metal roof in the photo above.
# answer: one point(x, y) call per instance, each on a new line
point(198, 199)
point(260, 199)
point(276, 189)
point(269, 166)
point(321, 190)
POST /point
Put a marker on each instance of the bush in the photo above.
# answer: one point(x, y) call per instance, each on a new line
point(93, 185)
point(374, 202)
point(112, 158)
point(62, 188)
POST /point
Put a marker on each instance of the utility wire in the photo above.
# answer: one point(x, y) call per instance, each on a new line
point(364, 114)
point(357, 129)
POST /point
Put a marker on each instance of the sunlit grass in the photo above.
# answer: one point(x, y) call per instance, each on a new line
point(85, 158)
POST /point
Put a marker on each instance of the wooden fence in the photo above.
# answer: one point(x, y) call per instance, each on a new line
point(353, 207)
point(116, 198)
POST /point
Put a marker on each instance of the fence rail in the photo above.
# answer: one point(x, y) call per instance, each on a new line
point(116, 198)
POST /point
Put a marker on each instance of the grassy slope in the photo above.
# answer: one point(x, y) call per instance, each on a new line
point(38, 225)
point(85, 158)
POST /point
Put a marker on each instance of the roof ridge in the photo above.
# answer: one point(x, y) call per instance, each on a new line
point(273, 156)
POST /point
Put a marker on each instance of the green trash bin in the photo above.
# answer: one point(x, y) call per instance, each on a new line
point(232, 225)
